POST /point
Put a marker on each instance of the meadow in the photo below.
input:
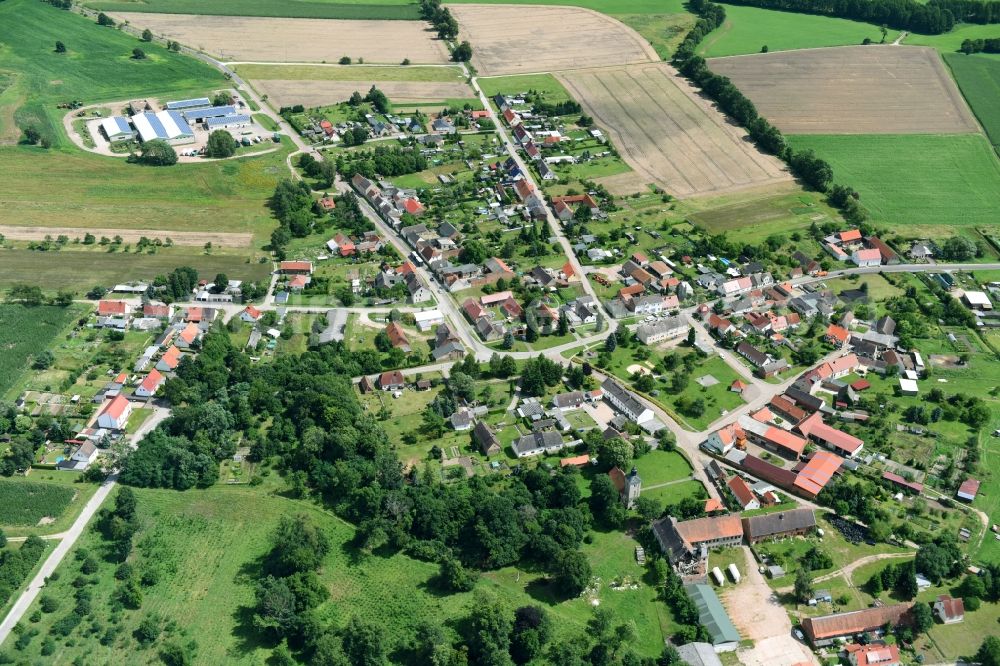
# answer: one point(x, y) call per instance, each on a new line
point(748, 29)
point(753, 216)
point(978, 77)
point(26, 502)
point(27, 331)
point(96, 67)
point(544, 84)
point(931, 182)
point(337, 9)
point(612, 7)
point(79, 271)
point(951, 41)
point(211, 541)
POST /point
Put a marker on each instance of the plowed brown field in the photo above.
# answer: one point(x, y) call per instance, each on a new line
point(669, 134)
point(520, 39)
point(852, 90)
point(296, 40)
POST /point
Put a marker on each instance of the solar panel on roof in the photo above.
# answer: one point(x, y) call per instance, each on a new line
point(209, 112)
point(189, 103)
point(227, 120)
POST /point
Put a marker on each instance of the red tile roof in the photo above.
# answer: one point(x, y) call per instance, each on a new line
point(397, 336)
point(295, 267)
point(575, 461)
point(155, 310)
point(850, 235)
point(152, 381)
point(171, 357)
point(109, 308)
point(969, 487)
point(741, 490)
point(817, 472)
point(252, 311)
point(813, 426)
point(708, 529)
point(855, 622)
point(116, 408)
point(194, 313)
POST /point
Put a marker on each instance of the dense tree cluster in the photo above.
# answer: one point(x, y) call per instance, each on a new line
point(16, 565)
point(220, 144)
point(980, 45)
point(933, 18)
point(970, 11)
point(176, 285)
point(385, 161)
point(26, 435)
point(439, 17)
point(293, 204)
point(156, 152)
point(323, 171)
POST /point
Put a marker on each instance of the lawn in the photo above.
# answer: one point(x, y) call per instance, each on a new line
point(659, 467)
point(79, 271)
point(978, 77)
point(212, 539)
point(878, 288)
point(97, 66)
point(675, 492)
point(748, 29)
point(546, 84)
point(929, 182)
point(337, 9)
point(26, 502)
point(423, 74)
point(27, 331)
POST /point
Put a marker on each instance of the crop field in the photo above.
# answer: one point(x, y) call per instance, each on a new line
point(211, 541)
point(978, 78)
point(929, 183)
point(297, 40)
point(747, 29)
point(25, 332)
point(362, 73)
point(322, 93)
point(668, 134)
point(852, 90)
point(26, 502)
point(79, 271)
point(521, 40)
point(318, 9)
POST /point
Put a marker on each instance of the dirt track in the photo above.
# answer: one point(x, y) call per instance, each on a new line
point(296, 40)
point(669, 134)
point(283, 92)
point(852, 90)
point(191, 238)
point(518, 39)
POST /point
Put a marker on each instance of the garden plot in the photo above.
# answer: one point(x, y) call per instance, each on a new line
point(323, 93)
point(852, 90)
point(510, 39)
point(296, 40)
point(668, 134)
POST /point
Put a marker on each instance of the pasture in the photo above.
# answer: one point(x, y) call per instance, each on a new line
point(210, 543)
point(978, 78)
point(753, 216)
point(296, 40)
point(79, 271)
point(521, 40)
point(26, 332)
point(322, 93)
point(852, 90)
point(97, 66)
point(544, 84)
point(747, 29)
point(399, 10)
point(25, 503)
point(668, 134)
point(928, 183)
point(951, 41)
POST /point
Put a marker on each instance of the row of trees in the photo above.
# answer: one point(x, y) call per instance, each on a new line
point(933, 18)
point(812, 170)
point(385, 161)
point(981, 45)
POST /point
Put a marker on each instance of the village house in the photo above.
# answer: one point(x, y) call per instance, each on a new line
point(391, 381)
point(873, 654)
point(683, 540)
point(487, 440)
point(825, 630)
point(537, 443)
point(663, 329)
point(397, 336)
point(795, 522)
point(115, 414)
point(743, 494)
point(949, 610)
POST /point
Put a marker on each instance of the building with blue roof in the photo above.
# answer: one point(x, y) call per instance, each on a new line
point(200, 114)
point(189, 103)
point(169, 126)
point(230, 121)
point(116, 128)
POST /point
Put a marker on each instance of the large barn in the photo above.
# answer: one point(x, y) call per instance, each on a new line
point(169, 126)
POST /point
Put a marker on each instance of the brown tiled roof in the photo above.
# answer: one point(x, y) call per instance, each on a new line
point(855, 622)
point(706, 529)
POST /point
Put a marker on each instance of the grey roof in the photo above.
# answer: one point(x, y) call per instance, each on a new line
point(699, 654)
point(567, 399)
point(632, 405)
point(446, 349)
point(779, 523)
point(712, 615)
point(485, 437)
point(538, 440)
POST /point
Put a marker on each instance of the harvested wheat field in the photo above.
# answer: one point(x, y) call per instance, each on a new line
point(192, 238)
point(283, 92)
point(519, 39)
point(852, 90)
point(296, 40)
point(668, 134)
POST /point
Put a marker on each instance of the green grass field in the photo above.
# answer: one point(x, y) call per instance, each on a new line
point(96, 67)
point(25, 502)
point(754, 217)
point(211, 539)
point(366, 73)
point(325, 9)
point(747, 29)
point(663, 31)
point(950, 41)
point(545, 84)
point(25, 332)
point(978, 77)
point(934, 182)
point(79, 271)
